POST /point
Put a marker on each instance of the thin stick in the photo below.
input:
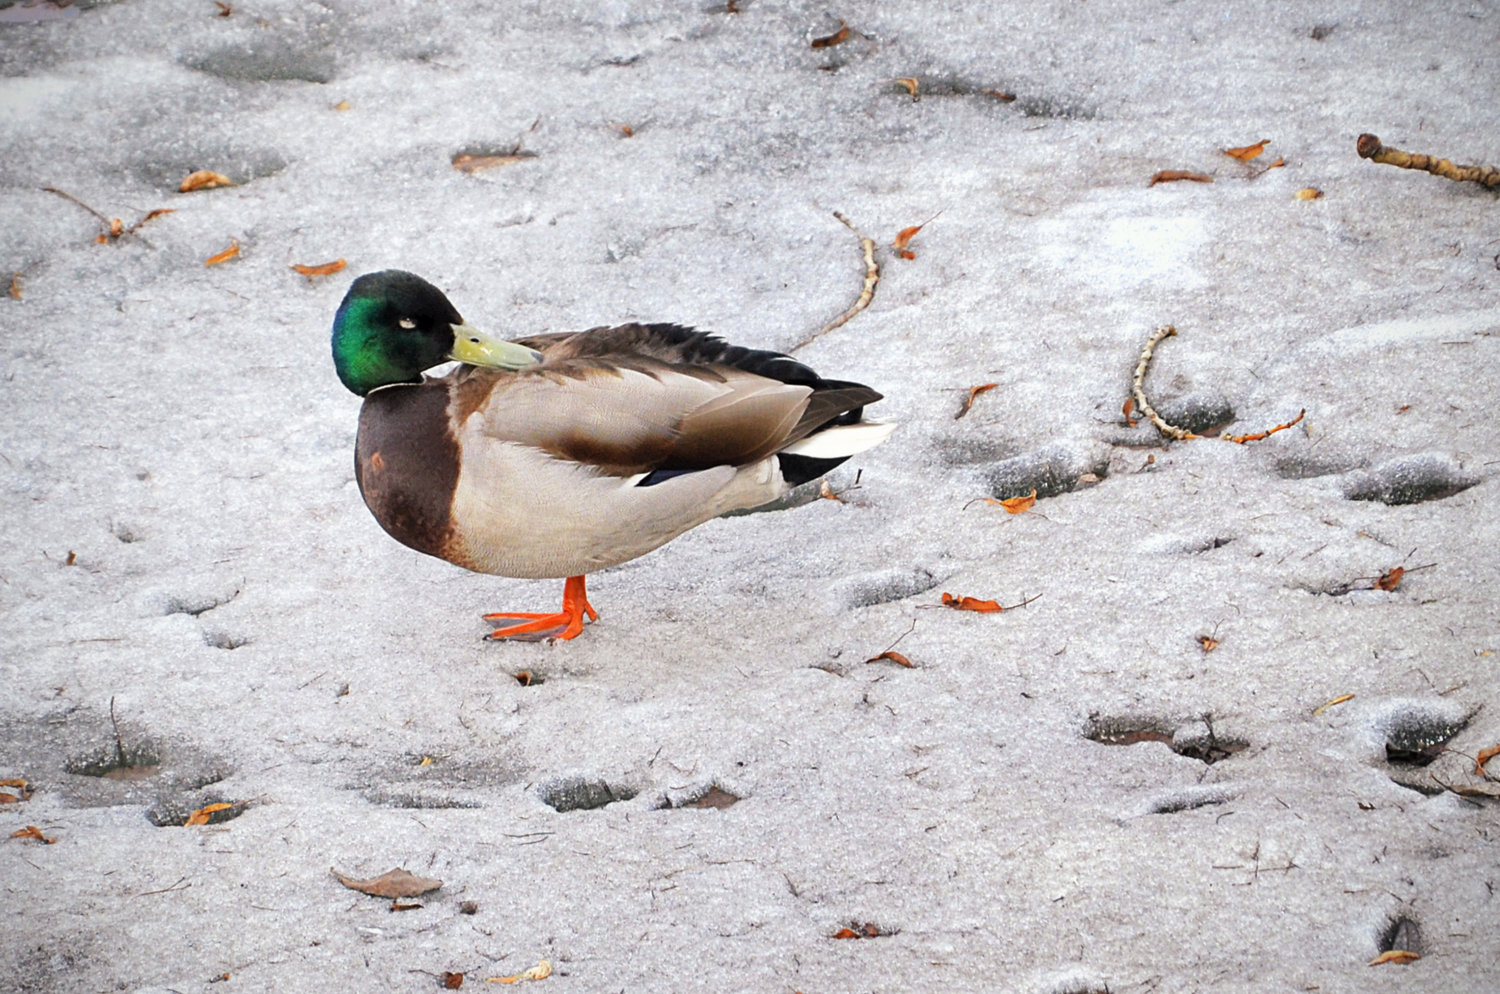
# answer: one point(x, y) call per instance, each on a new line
point(1257, 436)
point(80, 203)
point(119, 742)
point(872, 276)
point(1369, 147)
point(1138, 389)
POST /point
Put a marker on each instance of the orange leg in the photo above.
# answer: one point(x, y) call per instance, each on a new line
point(565, 624)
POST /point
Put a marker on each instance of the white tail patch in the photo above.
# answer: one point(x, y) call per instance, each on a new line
point(844, 440)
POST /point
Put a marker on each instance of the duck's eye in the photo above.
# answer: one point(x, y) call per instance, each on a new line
point(408, 323)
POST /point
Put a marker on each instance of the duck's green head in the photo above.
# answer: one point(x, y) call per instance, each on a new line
point(393, 325)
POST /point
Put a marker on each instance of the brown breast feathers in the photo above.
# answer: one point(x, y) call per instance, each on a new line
point(407, 461)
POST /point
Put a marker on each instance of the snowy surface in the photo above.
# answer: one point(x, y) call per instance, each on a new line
point(177, 433)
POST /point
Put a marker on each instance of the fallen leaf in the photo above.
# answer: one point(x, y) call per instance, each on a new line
point(1485, 755)
point(541, 971)
point(224, 9)
point(1395, 956)
point(1208, 642)
point(151, 216)
point(72, 558)
point(343, 105)
point(906, 254)
point(626, 130)
point(894, 657)
point(1275, 165)
point(999, 95)
point(452, 981)
point(201, 816)
point(1337, 700)
point(31, 832)
point(224, 256)
point(392, 884)
point(905, 235)
point(1128, 410)
point(204, 179)
point(1173, 175)
point(15, 286)
point(961, 603)
point(8, 798)
point(825, 491)
point(716, 798)
point(1390, 579)
point(15, 782)
point(909, 83)
point(846, 933)
point(837, 38)
point(969, 400)
point(116, 228)
point(1308, 193)
point(327, 269)
point(426, 761)
point(466, 163)
point(398, 906)
point(1019, 505)
point(524, 678)
point(1247, 152)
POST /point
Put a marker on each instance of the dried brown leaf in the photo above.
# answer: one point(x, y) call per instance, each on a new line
point(1208, 642)
point(846, 933)
point(8, 798)
point(894, 657)
point(1390, 579)
point(1336, 701)
point(343, 105)
point(452, 981)
point(909, 83)
point(837, 38)
point(1175, 175)
point(15, 286)
point(204, 179)
point(826, 492)
point(391, 884)
point(1308, 193)
point(999, 95)
point(224, 256)
point(326, 269)
point(541, 971)
point(466, 163)
point(1485, 755)
point(1128, 410)
point(1019, 505)
point(969, 400)
point(716, 798)
point(31, 832)
point(1395, 956)
point(1247, 152)
point(961, 603)
point(202, 815)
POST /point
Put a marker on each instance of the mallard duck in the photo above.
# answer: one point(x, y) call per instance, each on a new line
point(563, 454)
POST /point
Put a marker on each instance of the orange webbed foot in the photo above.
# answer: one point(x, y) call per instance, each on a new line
point(564, 624)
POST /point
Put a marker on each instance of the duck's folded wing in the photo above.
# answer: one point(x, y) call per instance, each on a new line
point(643, 414)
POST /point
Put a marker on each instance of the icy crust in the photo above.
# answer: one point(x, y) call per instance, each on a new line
point(1213, 728)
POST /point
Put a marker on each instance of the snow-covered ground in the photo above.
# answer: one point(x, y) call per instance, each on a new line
point(181, 536)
